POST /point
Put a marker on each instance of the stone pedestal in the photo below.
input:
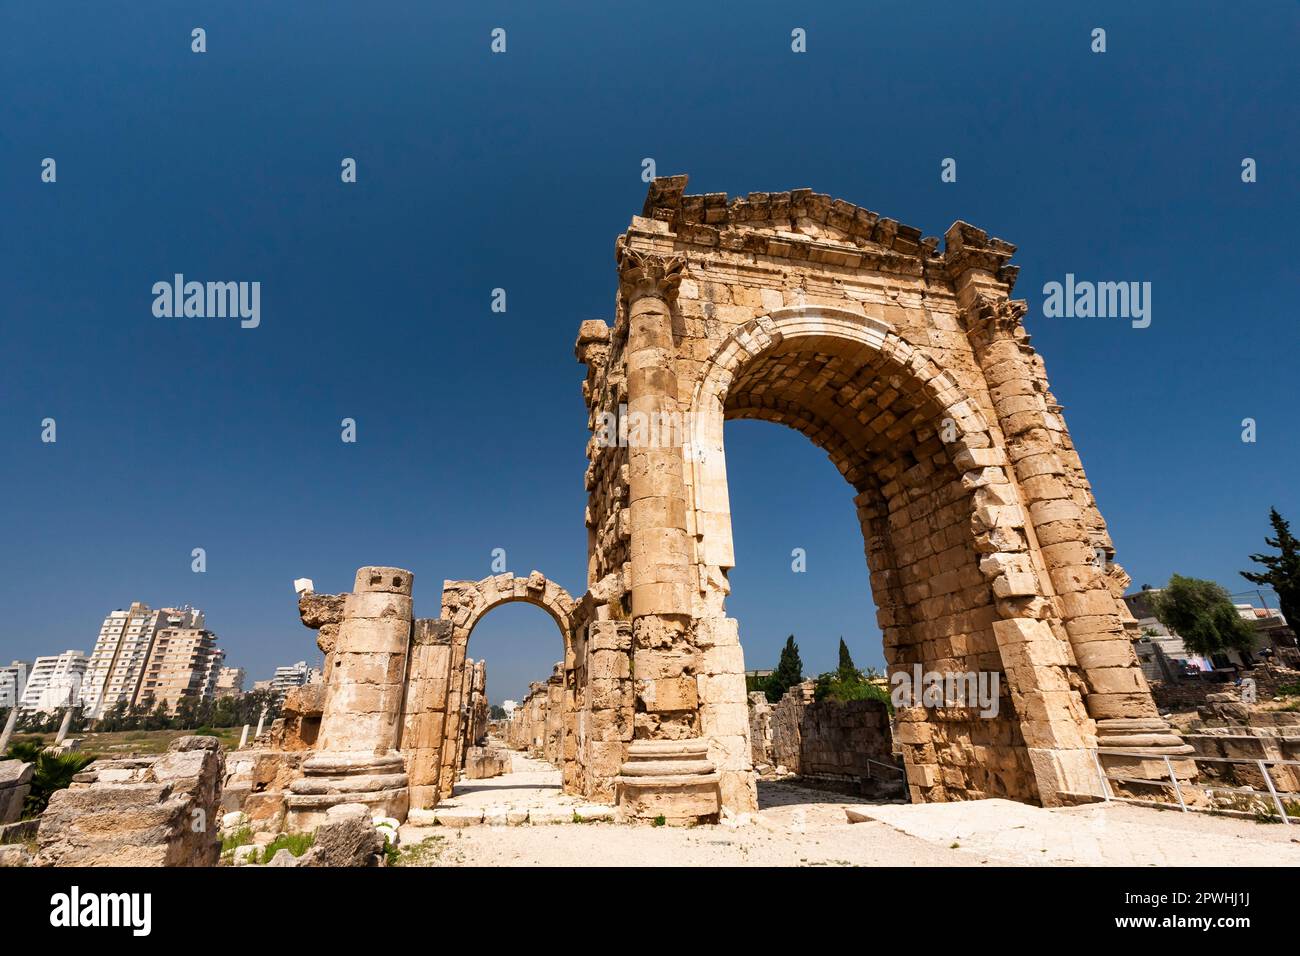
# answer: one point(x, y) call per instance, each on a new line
point(356, 759)
point(673, 779)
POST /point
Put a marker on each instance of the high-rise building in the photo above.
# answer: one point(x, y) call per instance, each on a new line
point(230, 682)
point(55, 682)
point(183, 662)
point(122, 650)
point(13, 681)
point(290, 676)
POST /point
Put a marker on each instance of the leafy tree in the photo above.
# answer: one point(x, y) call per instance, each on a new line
point(1283, 574)
point(497, 712)
point(187, 712)
point(789, 671)
point(1201, 613)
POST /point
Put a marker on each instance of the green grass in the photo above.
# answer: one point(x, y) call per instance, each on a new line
point(235, 839)
point(425, 853)
point(296, 843)
point(124, 742)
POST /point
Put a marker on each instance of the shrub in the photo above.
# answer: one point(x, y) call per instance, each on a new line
point(50, 772)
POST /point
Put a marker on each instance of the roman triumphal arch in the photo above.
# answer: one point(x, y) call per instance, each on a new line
point(911, 367)
point(986, 552)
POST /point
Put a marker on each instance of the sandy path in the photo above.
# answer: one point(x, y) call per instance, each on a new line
point(796, 826)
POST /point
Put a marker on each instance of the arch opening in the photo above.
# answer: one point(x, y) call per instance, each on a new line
point(894, 426)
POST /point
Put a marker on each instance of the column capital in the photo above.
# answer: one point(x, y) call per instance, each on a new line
point(644, 274)
point(990, 318)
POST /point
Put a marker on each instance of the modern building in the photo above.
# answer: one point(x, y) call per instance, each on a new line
point(55, 683)
point(13, 681)
point(184, 662)
point(230, 682)
point(290, 676)
point(143, 654)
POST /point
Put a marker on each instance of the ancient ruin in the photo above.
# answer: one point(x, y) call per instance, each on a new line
point(986, 552)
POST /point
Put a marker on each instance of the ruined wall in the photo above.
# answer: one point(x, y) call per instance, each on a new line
point(848, 742)
point(158, 811)
point(298, 725)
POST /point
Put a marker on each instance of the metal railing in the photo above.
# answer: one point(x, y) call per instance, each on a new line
point(1262, 764)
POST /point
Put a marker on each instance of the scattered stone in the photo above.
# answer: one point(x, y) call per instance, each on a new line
point(15, 854)
point(15, 784)
point(458, 817)
point(168, 815)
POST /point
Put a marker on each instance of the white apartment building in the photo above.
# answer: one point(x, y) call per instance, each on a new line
point(55, 682)
point(13, 681)
point(293, 675)
point(125, 642)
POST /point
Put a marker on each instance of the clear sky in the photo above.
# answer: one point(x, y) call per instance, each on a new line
point(517, 170)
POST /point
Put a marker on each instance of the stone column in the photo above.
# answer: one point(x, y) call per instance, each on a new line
point(356, 759)
point(10, 723)
point(64, 726)
point(449, 766)
point(667, 772)
point(1117, 696)
point(425, 710)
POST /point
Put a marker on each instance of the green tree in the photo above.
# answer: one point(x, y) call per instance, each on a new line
point(1283, 574)
point(847, 669)
point(789, 671)
point(1201, 613)
point(187, 712)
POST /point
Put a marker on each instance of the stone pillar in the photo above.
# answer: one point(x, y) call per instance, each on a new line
point(8, 732)
point(356, 759)
point(425, 710)
point(63, 727)
point(680, 785)
point(1117, 696)
point(448, 765)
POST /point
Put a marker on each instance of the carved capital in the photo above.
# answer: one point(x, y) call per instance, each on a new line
point(646, 274)
point(992, 319)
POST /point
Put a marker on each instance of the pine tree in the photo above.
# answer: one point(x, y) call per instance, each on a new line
point(847, 669)
point(789, 671)
point(1283, 574)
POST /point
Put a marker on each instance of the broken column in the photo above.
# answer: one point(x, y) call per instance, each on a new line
point(356, 759)
point(425, 711)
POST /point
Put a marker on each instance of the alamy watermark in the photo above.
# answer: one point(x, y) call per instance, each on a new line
point(922, 688)
point(1084, 299)
point(209, 300)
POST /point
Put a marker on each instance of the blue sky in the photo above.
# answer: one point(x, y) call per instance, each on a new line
point(478, 171)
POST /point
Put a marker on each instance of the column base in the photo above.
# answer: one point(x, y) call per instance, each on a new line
point(1151, 740)
point(377, 781)
point(669, 780)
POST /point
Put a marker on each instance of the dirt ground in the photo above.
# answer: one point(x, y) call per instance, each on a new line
point(796, 826)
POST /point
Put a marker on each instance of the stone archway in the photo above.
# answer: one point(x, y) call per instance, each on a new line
point(464, 603)
point(952, 572)
point(913, 370)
